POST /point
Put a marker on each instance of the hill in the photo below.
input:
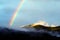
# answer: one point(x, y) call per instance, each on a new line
point(10, 33)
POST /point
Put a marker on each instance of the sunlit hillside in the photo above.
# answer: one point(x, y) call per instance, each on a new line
point(42, 24)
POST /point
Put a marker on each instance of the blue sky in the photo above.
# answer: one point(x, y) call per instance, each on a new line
point(31, 12)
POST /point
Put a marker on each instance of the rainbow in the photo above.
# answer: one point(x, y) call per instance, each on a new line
point(16, 12)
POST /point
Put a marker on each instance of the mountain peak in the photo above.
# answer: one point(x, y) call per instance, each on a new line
point(44, 24)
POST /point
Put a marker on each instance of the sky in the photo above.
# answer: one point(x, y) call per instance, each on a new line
point(31, 12)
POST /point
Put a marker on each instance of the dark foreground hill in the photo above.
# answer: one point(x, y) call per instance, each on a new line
point(6, 33)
